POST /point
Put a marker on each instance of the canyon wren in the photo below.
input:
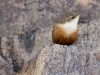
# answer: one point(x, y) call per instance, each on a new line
point(65, 31)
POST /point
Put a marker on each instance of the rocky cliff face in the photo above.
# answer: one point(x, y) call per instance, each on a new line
point(26, 46)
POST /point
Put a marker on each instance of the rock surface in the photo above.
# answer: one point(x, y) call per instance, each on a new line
point(26, 46)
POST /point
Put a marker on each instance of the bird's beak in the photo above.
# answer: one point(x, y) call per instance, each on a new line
point(77, 16)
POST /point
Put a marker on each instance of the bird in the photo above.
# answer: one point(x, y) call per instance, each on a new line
point(65, 30)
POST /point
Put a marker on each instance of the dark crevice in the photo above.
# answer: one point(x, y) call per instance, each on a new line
point(16, 67)
point(27, 39)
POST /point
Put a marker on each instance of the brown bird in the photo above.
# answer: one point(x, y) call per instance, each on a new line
point(65, 31)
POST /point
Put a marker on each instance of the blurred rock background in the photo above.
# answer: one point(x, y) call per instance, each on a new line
point(26, 46)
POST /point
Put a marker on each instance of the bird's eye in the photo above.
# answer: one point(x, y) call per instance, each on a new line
point(72, 17)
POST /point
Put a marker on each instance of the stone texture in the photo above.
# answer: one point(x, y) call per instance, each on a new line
point(68, 60)
point(81, 58)
point(28, 68)
point(26, 46)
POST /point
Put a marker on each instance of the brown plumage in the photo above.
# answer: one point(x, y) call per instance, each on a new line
point(63, 38)
point(61, 33)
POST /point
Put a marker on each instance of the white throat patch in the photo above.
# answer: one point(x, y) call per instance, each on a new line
point(70, 27)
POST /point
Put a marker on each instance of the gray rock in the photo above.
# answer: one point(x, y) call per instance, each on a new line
point(26, 35)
